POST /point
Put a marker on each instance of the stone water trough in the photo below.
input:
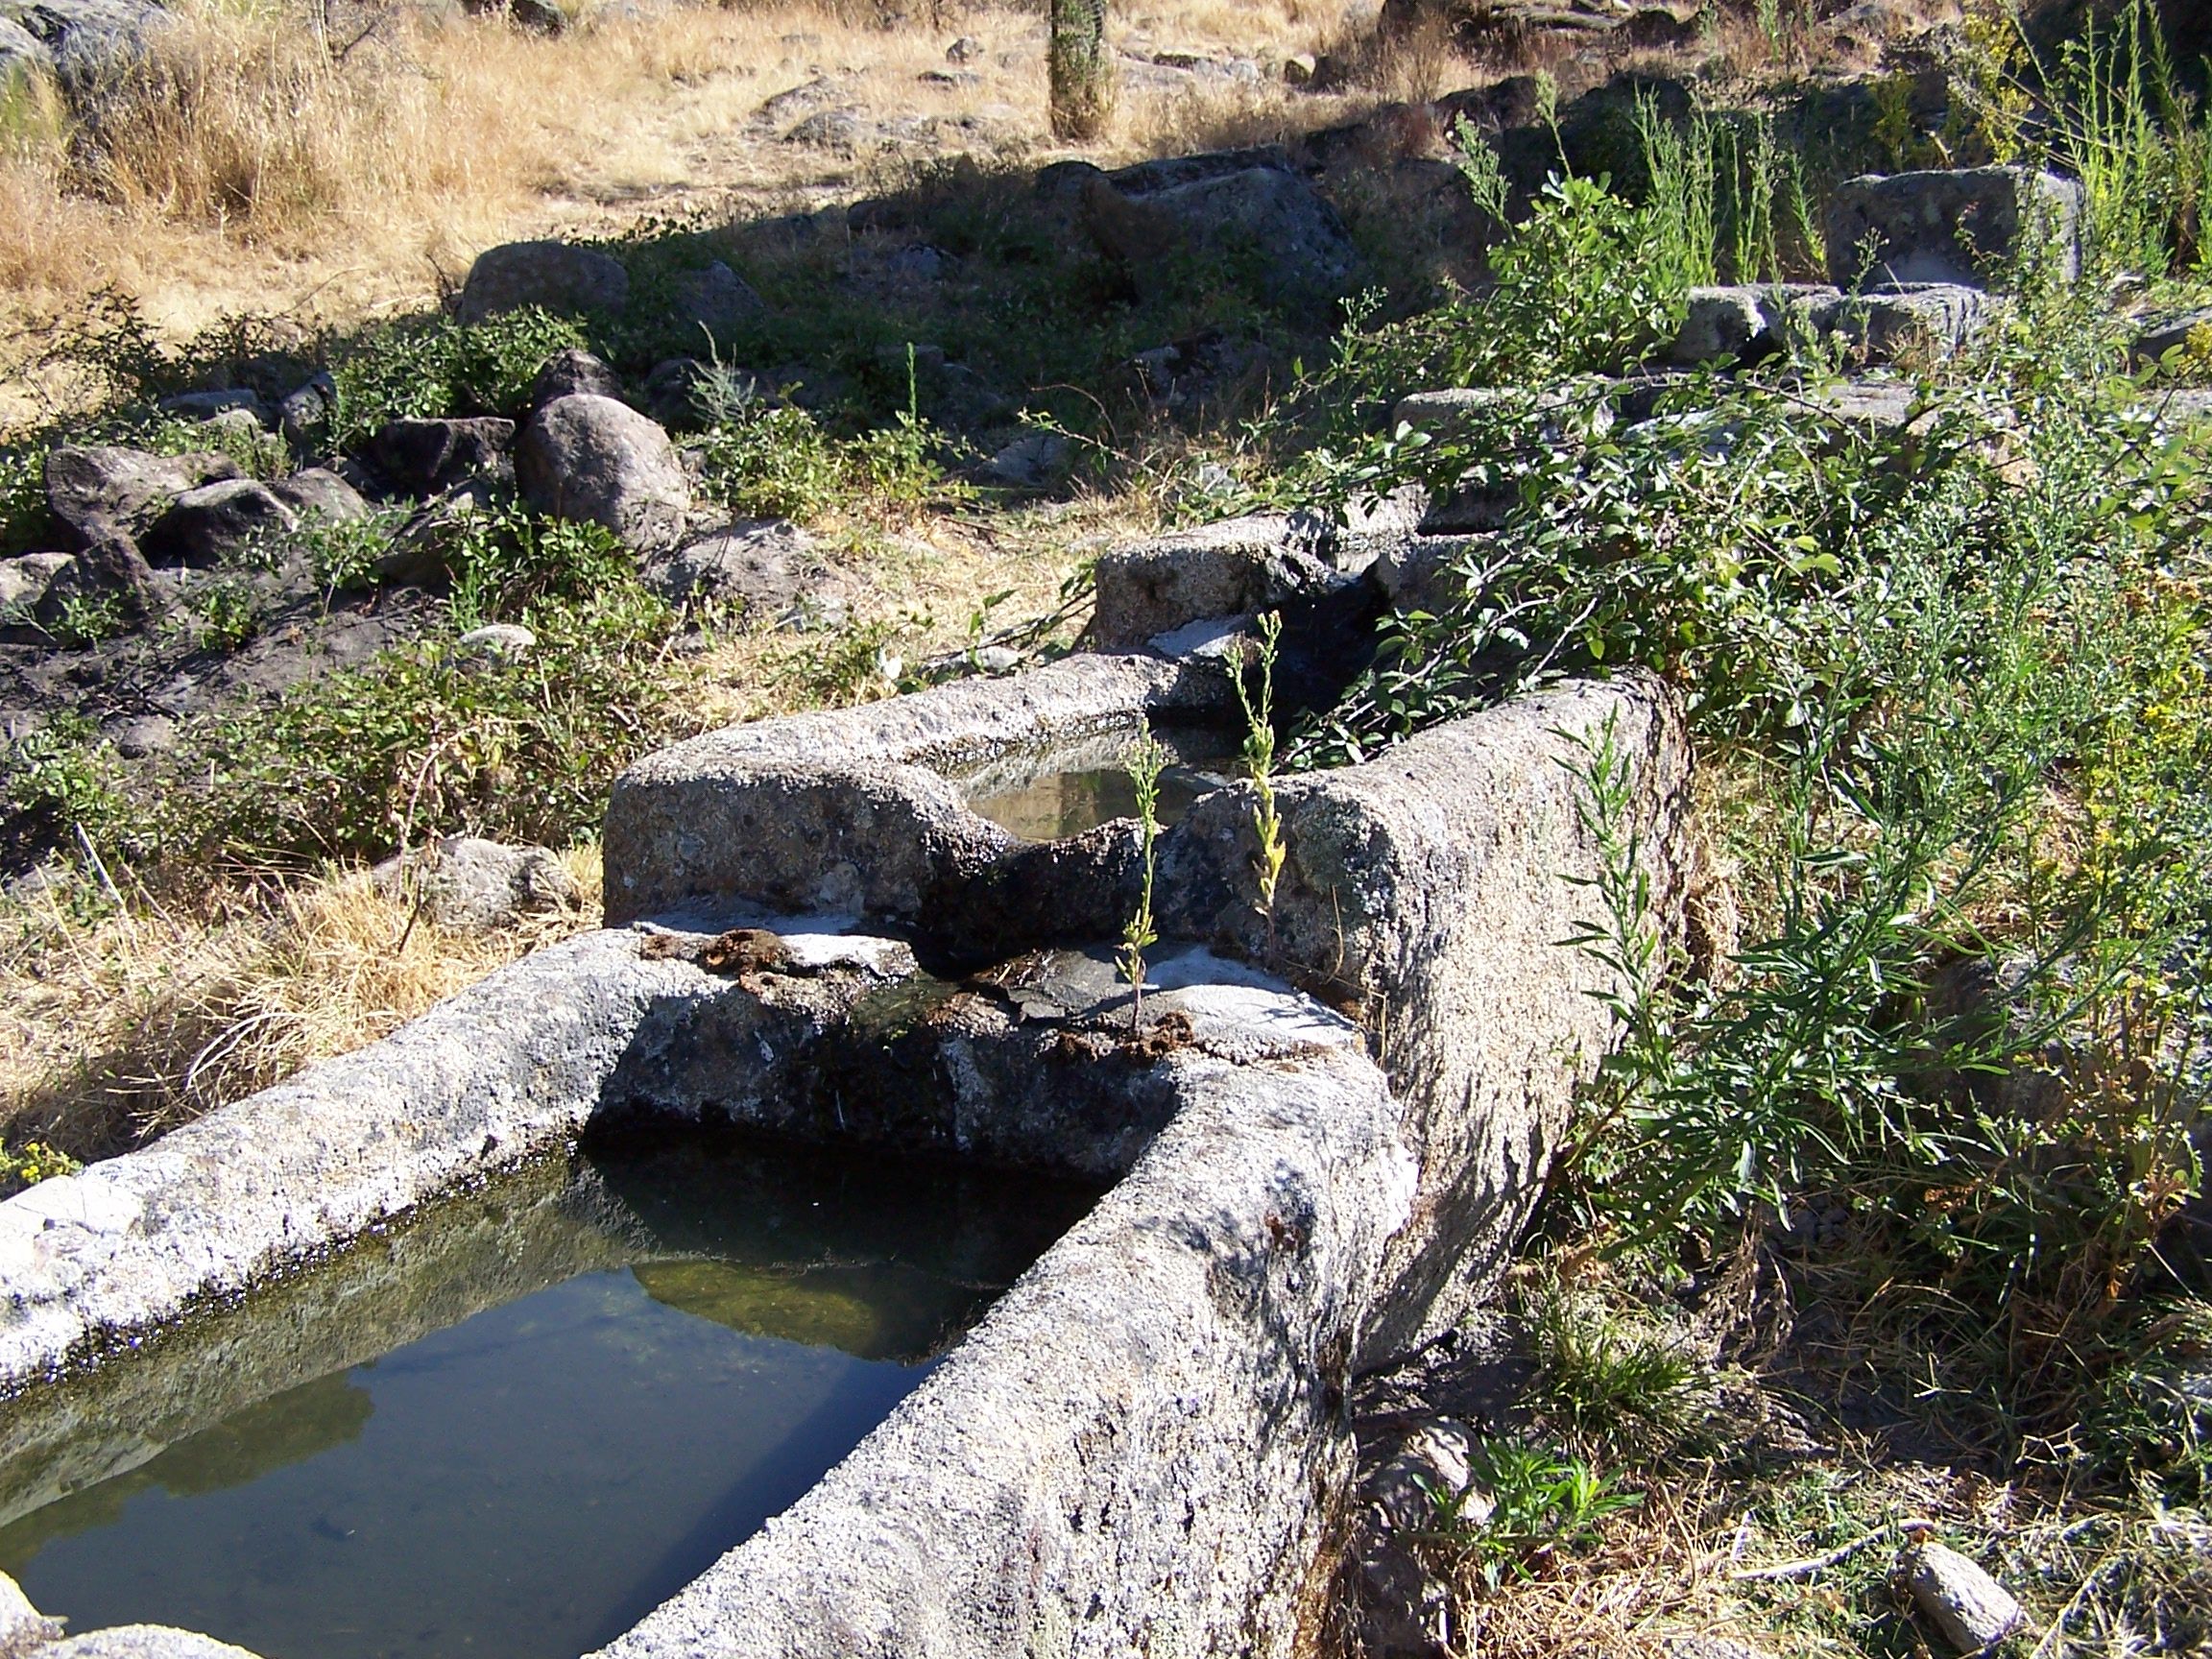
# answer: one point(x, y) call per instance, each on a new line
point(1317, 1136)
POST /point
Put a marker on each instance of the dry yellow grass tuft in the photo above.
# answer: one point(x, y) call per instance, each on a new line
point(140, 1021)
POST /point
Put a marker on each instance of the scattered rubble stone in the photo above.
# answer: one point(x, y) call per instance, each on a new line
point(759, 564)
point(203, 525)
point(97, 490)
point(586, 457)
point(1972, 1610)
point(1954, 226)
point(553, 274)
point(573, 371)
point(322, 492)
point(466, 884)
point(422, 457)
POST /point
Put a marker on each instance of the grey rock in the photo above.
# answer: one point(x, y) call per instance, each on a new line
point(468, 884)
point(673, 387)
point(590, 458)
point(964, 50)
point(144, 735)
point(88, 37)
point(142, 1642)
point(21, 53)
point(207, 405)
point(418, 550)
point(554, 276)
point(839, 130)
point(422, 457)
point(96, 491)
point(1972, 1610)
point(716, 300)
point(1265, 225)
point(302, 411)
point(203, 525)
point(22, 1626)
point(25, 579)
point(573, 371)
point(1745, 324)
point(2168, 334)
point(763, 566)
point(111, 566)
point(317, 491)
point(1433, 1462)
point(1233, 569)
point(1950, 227)
point(1033, 460)
point(1901, 324)
point(1701, 1647)
point(498, 642)
point(1405, 1608)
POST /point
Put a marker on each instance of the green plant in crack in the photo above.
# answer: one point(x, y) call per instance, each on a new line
point(1146, 760)
point(1524, 1504)
point(1260, 766)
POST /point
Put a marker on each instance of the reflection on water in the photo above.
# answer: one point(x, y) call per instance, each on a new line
point(1067, 793)
point(531, 1479)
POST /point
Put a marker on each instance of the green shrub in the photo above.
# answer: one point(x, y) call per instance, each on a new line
point(426, 368)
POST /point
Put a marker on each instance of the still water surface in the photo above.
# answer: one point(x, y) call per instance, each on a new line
point(529, 1481)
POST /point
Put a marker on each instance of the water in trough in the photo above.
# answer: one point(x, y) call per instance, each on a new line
point(515, 1425)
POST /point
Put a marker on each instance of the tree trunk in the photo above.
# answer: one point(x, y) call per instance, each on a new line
point(1081, 69)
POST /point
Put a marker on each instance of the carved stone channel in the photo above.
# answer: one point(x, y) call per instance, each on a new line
point(1322, 1136)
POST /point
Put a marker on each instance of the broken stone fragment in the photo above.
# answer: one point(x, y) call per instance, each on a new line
point(1972, 1610)
point(22, 1626)
point(466, 884)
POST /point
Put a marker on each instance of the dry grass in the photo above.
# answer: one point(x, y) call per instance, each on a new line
point(244, 164)
point(122, 1027)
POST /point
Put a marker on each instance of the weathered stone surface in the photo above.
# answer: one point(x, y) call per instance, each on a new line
point(317, 492)
point(2168, 334)
point(1972, 1610)
point(302, 411)
point(552, 274)
point(142, 1642)
point(1264, 224)
point(468, 884)
point(203, 525)
point(571, 372)
point(22, 1626)
point(21, 53)
point(856, 819)
point(498, 642)
point(516, 1064)
point(1929, 320)
point(96, 491)
point(1232, 568)
point(716, 300)
point(1952, 226)
point(590, 458)
point(1168, 1373)
point(763, 566)
point(422, 457)
point(25, 579)
point(1033, 460)
point(1746, 324)
point(86, 38)
point(207, 405)
point(111, 566)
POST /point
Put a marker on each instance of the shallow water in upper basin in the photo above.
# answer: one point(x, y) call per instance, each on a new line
point(680, 1341)
point(1069, 793)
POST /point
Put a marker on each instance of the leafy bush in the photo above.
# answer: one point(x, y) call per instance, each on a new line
point(435, 367)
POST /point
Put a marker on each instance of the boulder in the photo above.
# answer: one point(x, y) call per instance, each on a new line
point(1919, 321)
point(1958, 226)
point(203, 525)
point(319, 492)
point(716, 300)
point(21, 53)
point(573, 371)
point(1232, 568)
point(302, 411)
point(1745, 324)
point(22, 1626)
point(498, 642)
point(86, 38)
point(466, 884)
point(98, 490)
point(760, 564)
point(24, 580)
point(422, 457)
point(2168, 334)
point(584, 457)
point(110, 565)
point(1263, 223)
point(1033, 460)
point(207, 405)
point(552, 274)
